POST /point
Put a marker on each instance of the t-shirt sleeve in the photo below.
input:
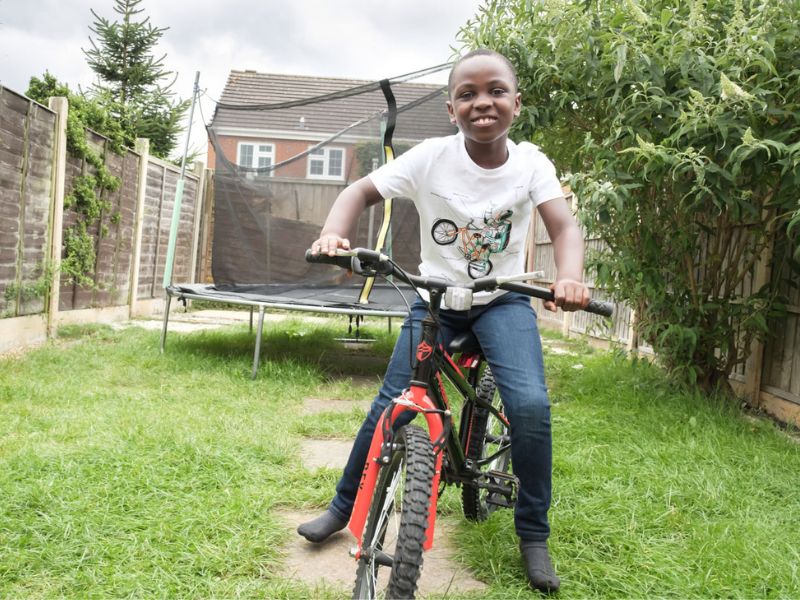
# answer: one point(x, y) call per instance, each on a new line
point(400, 177)
point(544, 184)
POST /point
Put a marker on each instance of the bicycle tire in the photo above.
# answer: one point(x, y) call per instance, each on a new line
point(485, 431)
point(407, 481)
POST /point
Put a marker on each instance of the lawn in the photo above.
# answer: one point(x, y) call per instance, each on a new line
point(127, 473)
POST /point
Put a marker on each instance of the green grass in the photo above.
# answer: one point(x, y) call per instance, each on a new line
point(127, 473)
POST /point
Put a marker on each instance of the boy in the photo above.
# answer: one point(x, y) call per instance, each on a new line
point(465, 177)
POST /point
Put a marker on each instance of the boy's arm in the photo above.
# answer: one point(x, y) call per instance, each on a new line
point(349, 205)
point(570, 291)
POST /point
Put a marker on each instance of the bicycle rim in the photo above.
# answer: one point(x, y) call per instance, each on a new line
point(391, 546)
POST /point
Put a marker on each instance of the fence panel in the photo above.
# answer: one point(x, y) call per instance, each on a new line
point(781, 373)
point(542, 259)
point(113, 232)
point(27, 148)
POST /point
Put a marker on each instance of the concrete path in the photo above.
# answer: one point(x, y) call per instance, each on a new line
point(330, 563)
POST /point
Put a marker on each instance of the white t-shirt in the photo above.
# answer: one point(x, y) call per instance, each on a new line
point(473, 221)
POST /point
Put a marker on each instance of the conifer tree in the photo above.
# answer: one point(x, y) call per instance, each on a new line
point(131, 79)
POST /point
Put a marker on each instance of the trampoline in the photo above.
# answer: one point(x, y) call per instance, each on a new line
point(269, 208)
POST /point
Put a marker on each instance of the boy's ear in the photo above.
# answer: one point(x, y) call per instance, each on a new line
point(517, 104)
point(451, 112)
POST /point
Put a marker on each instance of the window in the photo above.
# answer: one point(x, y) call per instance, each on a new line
point(326, 163)
point(256, 156)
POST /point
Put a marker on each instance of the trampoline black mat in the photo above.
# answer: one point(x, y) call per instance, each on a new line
point(384, 300)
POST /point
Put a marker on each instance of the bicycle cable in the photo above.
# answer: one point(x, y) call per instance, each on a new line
point(411, 320)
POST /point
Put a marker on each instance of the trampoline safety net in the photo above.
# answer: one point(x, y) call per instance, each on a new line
point(283, 148)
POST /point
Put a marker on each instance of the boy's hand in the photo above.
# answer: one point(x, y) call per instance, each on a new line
point(569, 294)
point(328, 244)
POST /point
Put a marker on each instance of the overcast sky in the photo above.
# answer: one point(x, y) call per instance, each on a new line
point(359, 39)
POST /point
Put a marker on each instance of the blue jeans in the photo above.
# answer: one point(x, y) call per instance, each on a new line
point(506, 329)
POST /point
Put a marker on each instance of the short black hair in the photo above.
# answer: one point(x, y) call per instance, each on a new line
point(482, 52)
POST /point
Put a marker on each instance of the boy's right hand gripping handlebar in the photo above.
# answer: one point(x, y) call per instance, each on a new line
point(597, 307)
point(370, 262)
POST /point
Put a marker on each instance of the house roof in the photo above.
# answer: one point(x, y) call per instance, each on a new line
point(250, 88)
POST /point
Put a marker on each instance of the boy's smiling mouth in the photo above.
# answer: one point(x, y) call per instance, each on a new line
point(484, 120)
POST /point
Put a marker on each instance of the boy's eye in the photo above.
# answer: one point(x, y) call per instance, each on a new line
point(499, 91)
point(466, 95)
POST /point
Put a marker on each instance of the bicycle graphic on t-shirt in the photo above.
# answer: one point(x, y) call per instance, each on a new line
point(478, 240)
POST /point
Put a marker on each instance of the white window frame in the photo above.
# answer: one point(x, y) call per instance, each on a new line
point(324, 158)
point(258, 153)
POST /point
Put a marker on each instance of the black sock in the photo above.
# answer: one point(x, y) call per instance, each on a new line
point(321, 528)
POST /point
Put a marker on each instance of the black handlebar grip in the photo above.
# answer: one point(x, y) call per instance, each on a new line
point(344, 262)
point(598, 307)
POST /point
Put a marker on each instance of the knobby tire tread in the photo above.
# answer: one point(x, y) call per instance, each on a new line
point(414, 513)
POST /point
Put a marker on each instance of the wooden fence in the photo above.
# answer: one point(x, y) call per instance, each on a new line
point(770, 379)
point(36, 174)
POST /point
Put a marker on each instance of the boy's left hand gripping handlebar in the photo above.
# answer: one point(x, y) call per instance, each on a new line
point(356, 260)
point(344, 262)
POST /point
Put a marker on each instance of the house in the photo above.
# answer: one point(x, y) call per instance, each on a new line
point(258, 138)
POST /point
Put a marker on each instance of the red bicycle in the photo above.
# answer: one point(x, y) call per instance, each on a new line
point(406, 470)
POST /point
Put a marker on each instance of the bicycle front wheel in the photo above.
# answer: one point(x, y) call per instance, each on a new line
point(489, 447)
point(391, 546)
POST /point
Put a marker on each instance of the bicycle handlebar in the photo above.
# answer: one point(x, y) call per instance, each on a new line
point(370, 262)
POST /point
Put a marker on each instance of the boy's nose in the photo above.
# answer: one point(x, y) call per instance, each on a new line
point(483, 100)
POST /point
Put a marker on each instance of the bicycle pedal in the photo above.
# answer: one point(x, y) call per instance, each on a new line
point(502, 488)
point(500, 501)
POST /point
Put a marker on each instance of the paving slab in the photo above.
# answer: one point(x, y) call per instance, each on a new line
point(327, 453)
point(330, 563)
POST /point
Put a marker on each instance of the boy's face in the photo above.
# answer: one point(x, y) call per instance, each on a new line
point(483, 98)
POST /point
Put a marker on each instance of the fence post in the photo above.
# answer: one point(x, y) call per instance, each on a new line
point(143, 149)
point(60, 106)
point(205, 226)
point(568, 316)
point(754, 366)
point(633, 336)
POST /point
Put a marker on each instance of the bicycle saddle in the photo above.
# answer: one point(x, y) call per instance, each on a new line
point(464, 343)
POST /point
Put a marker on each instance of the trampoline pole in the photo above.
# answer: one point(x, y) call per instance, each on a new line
point(257, 353)
point(165, 322)
point(176, 207)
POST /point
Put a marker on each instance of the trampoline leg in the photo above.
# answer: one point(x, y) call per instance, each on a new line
point(257, 353)
point(164, 325)
point(251, 319)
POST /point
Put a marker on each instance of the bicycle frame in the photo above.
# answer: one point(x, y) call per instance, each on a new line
point(426, 395)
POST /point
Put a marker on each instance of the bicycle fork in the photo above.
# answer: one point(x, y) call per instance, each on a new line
point(415, 399)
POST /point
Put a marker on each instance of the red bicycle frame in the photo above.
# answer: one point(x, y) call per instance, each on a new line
point(416, 398)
